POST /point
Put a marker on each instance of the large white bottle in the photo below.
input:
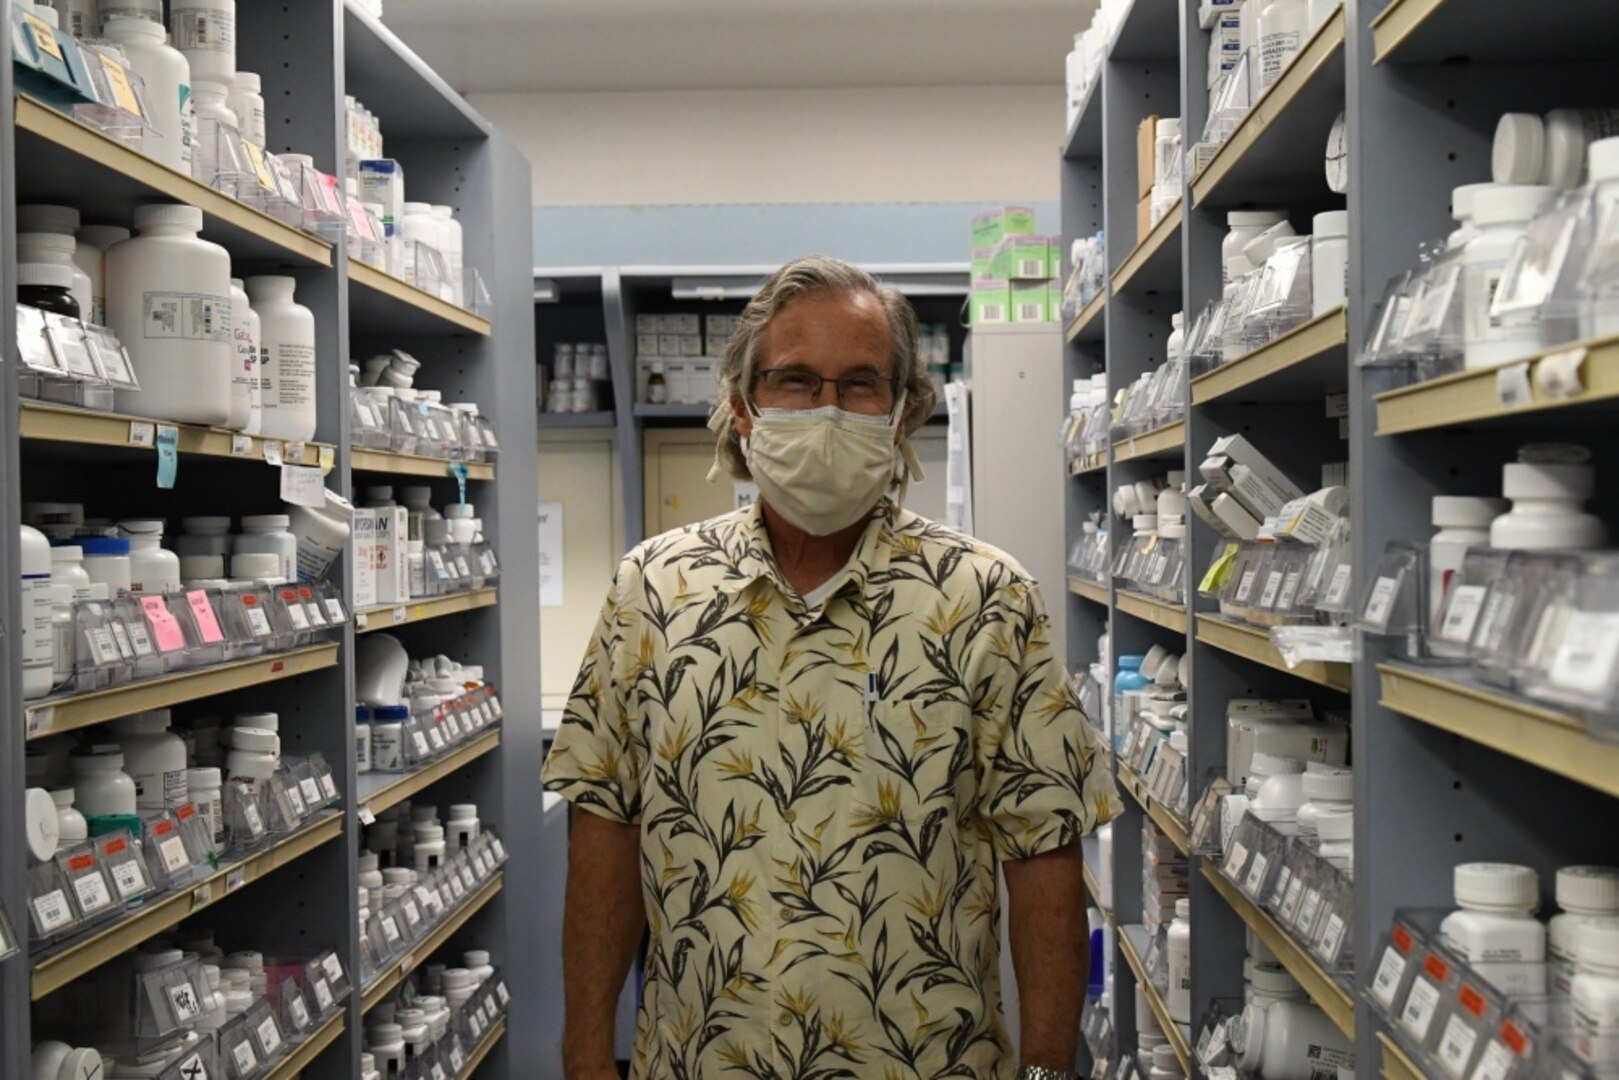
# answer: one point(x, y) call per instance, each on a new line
point(38, 646)
point(451, 232)
point(168, 300)
point(168, 88)
point(289, 344)
point(205, 31)
point(91, 255)
point(1284, 26)
point(246, 399)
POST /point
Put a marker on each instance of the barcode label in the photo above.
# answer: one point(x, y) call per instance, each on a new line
point(992, 313)
point(1031, 313)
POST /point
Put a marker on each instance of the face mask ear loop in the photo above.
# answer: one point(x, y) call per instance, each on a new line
point(717, 424)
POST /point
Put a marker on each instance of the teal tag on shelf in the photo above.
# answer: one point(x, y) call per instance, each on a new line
point(458, 469)
point(168, 455)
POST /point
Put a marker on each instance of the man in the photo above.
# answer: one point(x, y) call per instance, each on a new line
point(804, 737)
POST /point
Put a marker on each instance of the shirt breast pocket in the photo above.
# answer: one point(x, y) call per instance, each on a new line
point(923, 750)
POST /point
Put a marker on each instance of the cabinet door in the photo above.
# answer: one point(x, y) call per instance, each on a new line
point(678, 493)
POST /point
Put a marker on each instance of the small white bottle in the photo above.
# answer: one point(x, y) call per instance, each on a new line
point(1461, 209)
point(1180, 963)
point(167, 74)
point(168, 300)
point(152, 568)
point(1501, 214)
point(1328, 790)
point(269, 534)
point(246, 100)
point(214, 118)
point(203, 787)
point(1495, 932)
point(1529, 149)
point(101, 788)
point(1586, 894)
point(417, 226)
point(1463, 522)
point(1284, 27)
point(1243, 226)
point(91, 255)
point(1548, 486)
point(1175, 347)
point(38, 635)
point(288, 330)
point(155, 758)
point(247, 335)
point(1329, 261)
point(70, 824)
point(205, 32)
point(1594, 994)
point(1285, 1040)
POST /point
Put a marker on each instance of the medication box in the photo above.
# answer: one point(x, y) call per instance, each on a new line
point(390, 566)
point(993, 226)
point(1143, 217)
point(363, 559)
point(382, 181)
point(1146, 154)
point(991, 302)
point(1233, 465)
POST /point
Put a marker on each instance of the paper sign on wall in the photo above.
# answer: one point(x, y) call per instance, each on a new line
point(551, 554)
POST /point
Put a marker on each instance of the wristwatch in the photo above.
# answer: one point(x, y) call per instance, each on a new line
point(1040, 1072)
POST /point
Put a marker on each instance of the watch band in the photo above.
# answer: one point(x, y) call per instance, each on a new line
point(1040, 1072)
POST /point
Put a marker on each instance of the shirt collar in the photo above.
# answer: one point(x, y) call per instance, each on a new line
point(752, 558)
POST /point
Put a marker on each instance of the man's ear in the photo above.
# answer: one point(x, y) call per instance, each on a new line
point(742, 419)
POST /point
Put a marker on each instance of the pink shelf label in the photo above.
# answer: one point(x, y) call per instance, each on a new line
point(207, 623)
point(165, 627)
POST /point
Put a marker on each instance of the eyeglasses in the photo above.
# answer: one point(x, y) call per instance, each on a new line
point(799, 388)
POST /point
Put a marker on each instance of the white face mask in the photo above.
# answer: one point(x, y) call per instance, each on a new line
point(823, 469)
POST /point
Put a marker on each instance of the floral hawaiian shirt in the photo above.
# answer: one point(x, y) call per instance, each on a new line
point(823, 793)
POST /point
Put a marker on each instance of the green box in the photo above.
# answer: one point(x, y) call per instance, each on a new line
point(983, 259)
point(993, 226)
point(1029, 258)
point(1053, 257)
point(1030, 301)
point(1054, 300)
point(991, 302)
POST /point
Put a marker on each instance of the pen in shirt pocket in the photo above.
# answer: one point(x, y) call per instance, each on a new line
point(871, 698)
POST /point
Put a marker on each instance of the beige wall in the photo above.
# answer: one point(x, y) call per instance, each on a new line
point(900, 144)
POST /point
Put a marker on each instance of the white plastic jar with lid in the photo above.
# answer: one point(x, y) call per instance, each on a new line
point(320, 533)
point(1282, 30)
point(388, 737)
point(450, 231)
point(59, 249)
point(1336, 829)
point(101, 788)
point(42, 829)
point(1550, 150)
point(1174, 348)
point(463, 824)
point(106, 561)
point(1180, 963)
point(1495, 932)
point(38, 640)
point(1594, 994)
point(167, 74)
point(1273, 984)
point(288, 330)
point(268, 534)
point(246, 100)
point(417, 226)
point(1329, 261)
point(70, 824)
point(1548, 486)
point(91, 255)
point(203, 788)
point(52, 1060)
point(1586, 894)
point(1461, 209)
point(155, 758)
point(205, 33)
point(247, 338)
point(255, 754)
point(1327, 789)
point(1501, 214)
point(429, 848)
point(1243, 225)
point(1289, 1040)
point(152, 567)
point(214, 119)
point(477, 961)
point(168, 300)
point(1463, 523)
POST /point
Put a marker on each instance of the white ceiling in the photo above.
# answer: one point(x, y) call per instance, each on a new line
point(518, 46)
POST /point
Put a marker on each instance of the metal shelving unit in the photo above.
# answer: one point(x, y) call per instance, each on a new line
point(451, 156)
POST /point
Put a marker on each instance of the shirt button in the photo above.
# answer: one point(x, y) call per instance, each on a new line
point(785, 915)
point(789, 816)
point(784, 1020)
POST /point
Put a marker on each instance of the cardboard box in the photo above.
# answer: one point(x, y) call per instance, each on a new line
point(993, 226)
point(1054, 300)
point(1146, 154)
point(646, 324)
point(1029, 301)
point(691, 344)
point(363, 558)
point(1054, 250)
point(676, 374)
point(703, 380)
point(983, 264)
point(1029, 258)
point(646, 344)
point(990, 303)
point(1143, 217)
point(688, 324)
point(390, 565)
point(669, 344)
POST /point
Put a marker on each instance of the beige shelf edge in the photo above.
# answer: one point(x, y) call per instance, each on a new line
point(82, 957)
point(371, 278)
point(304, 1054)
point(386, 461)
point(1156, 441)
point(1160, 234)
point(51, 717)
point(1303, 343)
point(1328, 39)
point(1136, 788)
point(1541, 736)
point(1156, 612)
point(1093, 889)
point(1088, 464)
point(60, 423)
point(409, 784)
point(1155, 1001)
point(1096, 594)
point(1090, 312)
point(496, 1032)
point(396, 972)
point(389, 615)
point(47, 123)
point(1396, 22)
point(1396, 1065)
point(1323, 990)
point(1471, 395)
point(1253, 643)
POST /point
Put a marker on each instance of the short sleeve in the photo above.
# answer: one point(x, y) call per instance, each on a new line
point(596, 759)
point(1043, 775)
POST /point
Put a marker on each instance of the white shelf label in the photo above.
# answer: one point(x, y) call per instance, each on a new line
point(1420, 1006)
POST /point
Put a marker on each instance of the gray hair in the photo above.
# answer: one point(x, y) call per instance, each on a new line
point(813, 273)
